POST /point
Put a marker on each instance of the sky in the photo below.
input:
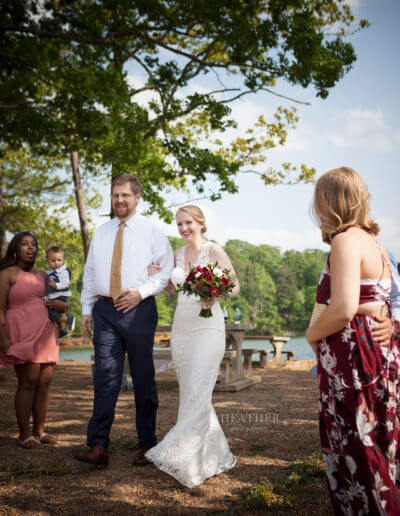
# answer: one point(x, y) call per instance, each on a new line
point(358, 125)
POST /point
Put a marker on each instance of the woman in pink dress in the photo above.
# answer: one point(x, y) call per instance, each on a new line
point(28, 339)
point(358, 375)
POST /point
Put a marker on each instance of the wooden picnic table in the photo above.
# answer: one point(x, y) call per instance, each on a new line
point(241, 375)
point(277, 342)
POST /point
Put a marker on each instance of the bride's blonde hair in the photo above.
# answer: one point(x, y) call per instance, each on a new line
point(341, 200)
point(196, 213)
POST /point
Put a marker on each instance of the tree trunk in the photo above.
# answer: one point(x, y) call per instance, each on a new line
point(118, 66)
point(115, 171)
point(80, 202)
point(3, 243)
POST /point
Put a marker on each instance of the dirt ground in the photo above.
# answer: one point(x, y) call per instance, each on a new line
point(279, 415)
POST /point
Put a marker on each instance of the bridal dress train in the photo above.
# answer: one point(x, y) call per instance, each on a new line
point(196, 447)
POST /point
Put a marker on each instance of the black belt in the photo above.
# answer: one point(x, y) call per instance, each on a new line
point(106, 299)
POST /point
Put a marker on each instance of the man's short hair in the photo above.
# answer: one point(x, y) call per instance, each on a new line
point(55, 249)
point(127, 178)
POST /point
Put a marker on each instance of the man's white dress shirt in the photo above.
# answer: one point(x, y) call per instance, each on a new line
point(143, 244)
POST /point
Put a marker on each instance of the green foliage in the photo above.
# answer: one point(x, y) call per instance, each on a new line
point(265, 497)
point(277, 292)
point(288, 489)
point(313, 466)
point(65, 84)
point(33, 468)
point(35, 195)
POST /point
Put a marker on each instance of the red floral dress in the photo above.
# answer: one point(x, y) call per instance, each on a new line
point(359, 396)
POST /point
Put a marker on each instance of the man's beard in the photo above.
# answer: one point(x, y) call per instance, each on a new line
point(122, 209)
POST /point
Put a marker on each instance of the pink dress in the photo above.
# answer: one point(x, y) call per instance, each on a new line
point(33, 336)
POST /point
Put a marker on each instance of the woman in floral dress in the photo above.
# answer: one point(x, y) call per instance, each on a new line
point(358, 376)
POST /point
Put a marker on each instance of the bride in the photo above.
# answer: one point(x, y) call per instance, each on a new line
point(196, 447)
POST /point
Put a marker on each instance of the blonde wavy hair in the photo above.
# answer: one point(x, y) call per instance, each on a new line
point(196, 213)
point(341, 200)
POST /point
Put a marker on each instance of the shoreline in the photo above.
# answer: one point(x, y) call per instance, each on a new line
point(82, 342)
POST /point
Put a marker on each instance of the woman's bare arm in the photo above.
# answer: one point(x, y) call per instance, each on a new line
point(345, 266)
point(219, 255)
point(5, 285)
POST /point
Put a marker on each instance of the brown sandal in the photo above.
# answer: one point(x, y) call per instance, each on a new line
point(47, 439)
point(24, 443)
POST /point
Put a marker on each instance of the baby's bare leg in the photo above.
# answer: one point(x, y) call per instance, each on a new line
point(61, 322)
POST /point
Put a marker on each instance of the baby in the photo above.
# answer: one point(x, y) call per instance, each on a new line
point(57, 286)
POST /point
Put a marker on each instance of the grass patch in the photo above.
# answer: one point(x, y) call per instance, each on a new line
point(286, 490)
point(34, 469)
point(255, 449)
point(313, 466)
point(267, 497)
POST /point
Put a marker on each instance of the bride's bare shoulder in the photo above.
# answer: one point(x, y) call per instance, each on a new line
point(178, 255)
point(179, 250)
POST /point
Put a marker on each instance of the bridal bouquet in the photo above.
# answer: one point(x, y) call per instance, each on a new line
point(204, 282)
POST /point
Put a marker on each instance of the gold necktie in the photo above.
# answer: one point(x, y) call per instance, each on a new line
point(115, 276)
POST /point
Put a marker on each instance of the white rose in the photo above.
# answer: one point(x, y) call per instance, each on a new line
point(178, 276)
point(197, 275)
point(218, 272)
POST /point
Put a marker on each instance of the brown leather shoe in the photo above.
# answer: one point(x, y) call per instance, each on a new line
point(97, 455)
point(140, 459)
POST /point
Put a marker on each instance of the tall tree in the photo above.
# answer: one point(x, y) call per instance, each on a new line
point(29, 184)
point(85, 91)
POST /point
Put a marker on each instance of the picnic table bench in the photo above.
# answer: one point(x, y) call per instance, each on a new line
point(289, 353)
point(277, 342)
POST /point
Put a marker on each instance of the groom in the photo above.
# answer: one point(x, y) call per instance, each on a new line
point(118, 296)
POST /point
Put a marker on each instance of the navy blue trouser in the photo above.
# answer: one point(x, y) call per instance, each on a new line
point(114, 333)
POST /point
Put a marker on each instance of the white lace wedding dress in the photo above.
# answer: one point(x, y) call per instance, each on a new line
point(196, 447)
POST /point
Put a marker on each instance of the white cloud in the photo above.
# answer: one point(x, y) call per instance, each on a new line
point(362, 121)
point(396, 137)
point(364, 128)
point(354, 4)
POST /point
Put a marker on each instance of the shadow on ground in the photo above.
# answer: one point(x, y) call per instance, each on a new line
point(268, 426)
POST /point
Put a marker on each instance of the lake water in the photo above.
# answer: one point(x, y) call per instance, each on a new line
point(299, 344)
